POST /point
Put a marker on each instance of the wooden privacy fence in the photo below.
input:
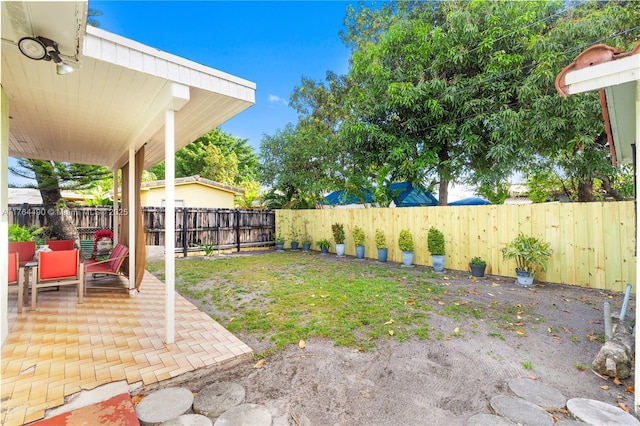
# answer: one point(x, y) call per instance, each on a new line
point(593, 243)
point(195, 227)
point(217, 228)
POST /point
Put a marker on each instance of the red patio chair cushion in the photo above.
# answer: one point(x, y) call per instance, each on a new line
point(58, 264)
point(26, 250)
point(13, 268)
point(56, 245)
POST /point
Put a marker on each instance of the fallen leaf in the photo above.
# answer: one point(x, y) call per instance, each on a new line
point(490, 294)
point(566, 330)
point(389, 322)
point(411, 302)
point(440, 302)
point(555, 419)
point(231, 319)
point(630, 389)
point(456, 330)
point(617, 381)
point(623, 406)
point(302, 344)
point(136, 399)
point(259, 364)
point(520, 331)
point(391, 333)
point(445, 278)
point(532, 377)
point(604, 387)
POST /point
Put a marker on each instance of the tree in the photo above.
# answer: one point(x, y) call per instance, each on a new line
point(303, 161)
point(427, 101)
point(192, 159)
point(51, 178)
point(567, 135)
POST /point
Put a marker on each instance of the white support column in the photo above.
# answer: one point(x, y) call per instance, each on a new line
point(4, 216)
point(169, 226)
point(132, 220)
point(116, 208)
point(637, 329)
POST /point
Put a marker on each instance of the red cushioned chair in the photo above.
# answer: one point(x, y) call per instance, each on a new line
point(56, 245)
point(15, 277)
point(56, 268)
point(110, 266)
point(25, 249)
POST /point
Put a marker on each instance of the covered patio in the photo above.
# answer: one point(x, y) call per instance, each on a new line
point(64, 348)
point(74, 93)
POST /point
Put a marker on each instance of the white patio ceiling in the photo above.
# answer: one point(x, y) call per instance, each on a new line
point(116, 98)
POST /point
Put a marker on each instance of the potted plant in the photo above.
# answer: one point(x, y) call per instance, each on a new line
point(102, 242)
point(294, 239)
point(324, 245)
point(306, 243)
point(279, 240)
point(358, 239)
point(435, 243)
point(405, 242)
point(530, 254)
point(477, 266)
point(338, 236)
point(381, 245)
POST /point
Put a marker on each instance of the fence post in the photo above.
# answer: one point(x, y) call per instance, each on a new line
point(185, 244)
point(238, 229)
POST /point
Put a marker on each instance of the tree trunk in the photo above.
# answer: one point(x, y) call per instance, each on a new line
point(60, 224)
point(585, 191)
point(443, 192)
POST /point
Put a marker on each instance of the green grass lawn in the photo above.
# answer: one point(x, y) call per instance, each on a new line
point(288, 296)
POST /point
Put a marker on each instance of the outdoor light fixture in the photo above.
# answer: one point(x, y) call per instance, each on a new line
point(38, 48)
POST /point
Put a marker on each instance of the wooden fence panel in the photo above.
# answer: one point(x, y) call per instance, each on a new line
point(593, 243)
point(195, 227)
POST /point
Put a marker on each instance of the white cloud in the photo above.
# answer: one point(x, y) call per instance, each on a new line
point(273, 99)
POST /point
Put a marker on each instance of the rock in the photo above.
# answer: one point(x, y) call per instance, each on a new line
point(616, 356)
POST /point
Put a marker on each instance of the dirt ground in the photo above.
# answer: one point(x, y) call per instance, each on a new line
point(439, 381)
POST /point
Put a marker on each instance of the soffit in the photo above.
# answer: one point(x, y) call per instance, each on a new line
point(116, 98)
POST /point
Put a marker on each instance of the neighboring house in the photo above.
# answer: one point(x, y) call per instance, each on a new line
point(192, 191)
point(403, 194)
point(32, 196)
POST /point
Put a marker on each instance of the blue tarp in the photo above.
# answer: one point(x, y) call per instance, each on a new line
point(471, 201)
point(403, 194)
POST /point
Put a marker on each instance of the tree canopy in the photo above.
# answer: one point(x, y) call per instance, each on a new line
point(453, 92)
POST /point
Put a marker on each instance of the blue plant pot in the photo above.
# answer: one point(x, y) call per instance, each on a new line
point(438, 262)
point(382, 254)
point(324, 250)
point(306, 246)
point(407, 258)
point(294, 245)
point(280, 247)
point(360, 252)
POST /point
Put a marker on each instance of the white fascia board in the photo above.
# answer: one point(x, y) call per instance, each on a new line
point(115, 49)
point(598, 77)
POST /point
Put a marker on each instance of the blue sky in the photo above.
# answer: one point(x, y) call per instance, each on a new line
point(271, 43)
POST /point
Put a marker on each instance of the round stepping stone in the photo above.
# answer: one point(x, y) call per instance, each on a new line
point(489, 420)
point(599, 413)
point(217, 398)
point(189, 420)
point(245, 414)
point(520, 411)
point(163, 405)
point(533, 391)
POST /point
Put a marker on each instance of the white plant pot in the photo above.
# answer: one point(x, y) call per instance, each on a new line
point(524, 278)
point(340, 249)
